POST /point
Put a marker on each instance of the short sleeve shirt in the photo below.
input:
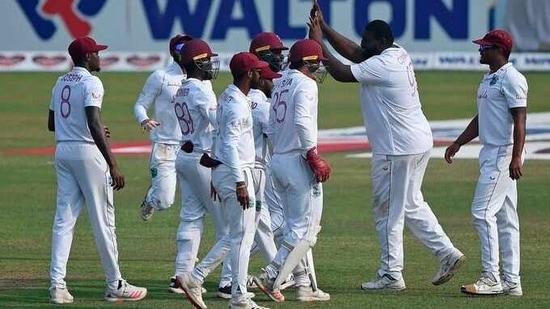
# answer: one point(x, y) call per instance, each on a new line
point(392, 112)
point(498, 92)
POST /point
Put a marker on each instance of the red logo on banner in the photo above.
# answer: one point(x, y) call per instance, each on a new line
point(47, 61)
point(108, 61)
point(8, 61)
point(143, 61)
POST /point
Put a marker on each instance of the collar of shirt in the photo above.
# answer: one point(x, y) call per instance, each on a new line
point(174, 67)
point(81, 70)
point(237, 93)
point(257, 93)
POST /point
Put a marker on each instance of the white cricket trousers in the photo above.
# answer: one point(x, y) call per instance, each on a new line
point(242, 227)
point(264, 239)
point(494, 210)
point(397, 198)
point(162, 163)
point(302, 200)
point(196, 202)
point(83, 178)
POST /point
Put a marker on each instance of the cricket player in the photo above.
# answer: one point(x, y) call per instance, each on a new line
point(267, 46)
point(260, 115)
point(165, 133)
point(233, 181)
point(298, 171)
point(87, 172)
point(401, 141)
point(195, 107)
point(500, 125)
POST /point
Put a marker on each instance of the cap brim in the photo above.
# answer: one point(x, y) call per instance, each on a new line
point(101, 47)
point(482, 42)
point(269, 74)
point(260, 65)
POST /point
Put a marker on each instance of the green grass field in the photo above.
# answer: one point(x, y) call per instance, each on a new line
point(346, 253)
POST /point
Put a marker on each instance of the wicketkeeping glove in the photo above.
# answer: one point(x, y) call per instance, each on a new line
point(318, 165)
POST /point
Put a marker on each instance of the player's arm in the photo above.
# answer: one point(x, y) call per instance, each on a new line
point(147, 96)
point(93, 116)
point(344, 46)
point(51, 121)
point(338, 70)
point(519, 114)
point(471, 132)
point(304, 102)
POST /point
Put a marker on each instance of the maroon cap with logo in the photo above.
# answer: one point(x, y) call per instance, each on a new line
point(306, 50)
point(81, 46)
point(243, 62)
point(498, 38)
point(266, 41)
point(176, 43)
point(196, 49)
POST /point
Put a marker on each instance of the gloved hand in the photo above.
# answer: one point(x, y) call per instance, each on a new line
point(318, 165)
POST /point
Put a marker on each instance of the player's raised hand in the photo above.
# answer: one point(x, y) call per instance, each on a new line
point(149, 124)
point(117, 179)
point(451, 151)
point(316, 12)
point(315, 32)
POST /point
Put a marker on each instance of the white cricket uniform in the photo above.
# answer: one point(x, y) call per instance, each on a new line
point(494, 207)
point(235, 149)
point(401, 141)
point(293, 126)
point(159, 90)
point(195, 107)
point(263, 239)
point(83, 176)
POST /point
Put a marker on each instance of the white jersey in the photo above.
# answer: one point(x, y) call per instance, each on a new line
point(70, 96)
point(293, 113)
point(195, 107)
point(390, 103)
point(159, 89)
point(497, 94)
point(260, 117)
point(235, 139)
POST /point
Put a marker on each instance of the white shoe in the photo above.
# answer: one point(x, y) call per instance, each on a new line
point(484, 286)
point(146, 211)
point(173, 287)
point(247, 304)
point(193, 290)
point(449, 265)
point(384, 283)
point(306, 293)
point(125, 292)
point(512, 288)
point(265, 284)
point(225, 293)
point(60, 295)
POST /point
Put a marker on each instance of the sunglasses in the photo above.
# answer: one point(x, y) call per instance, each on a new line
point(486, 47)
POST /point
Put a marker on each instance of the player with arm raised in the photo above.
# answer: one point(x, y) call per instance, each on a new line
point(401, 141)
point(165, 134)
point(87, 173)
point(298, 171)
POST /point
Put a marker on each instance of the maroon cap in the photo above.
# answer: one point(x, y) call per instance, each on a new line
point(266, 41)
point(196, 49)
point(306, 50)
point(243, 62)
point(81, 46)
point(267, 73)
point(177, 40)
point(498, 38)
